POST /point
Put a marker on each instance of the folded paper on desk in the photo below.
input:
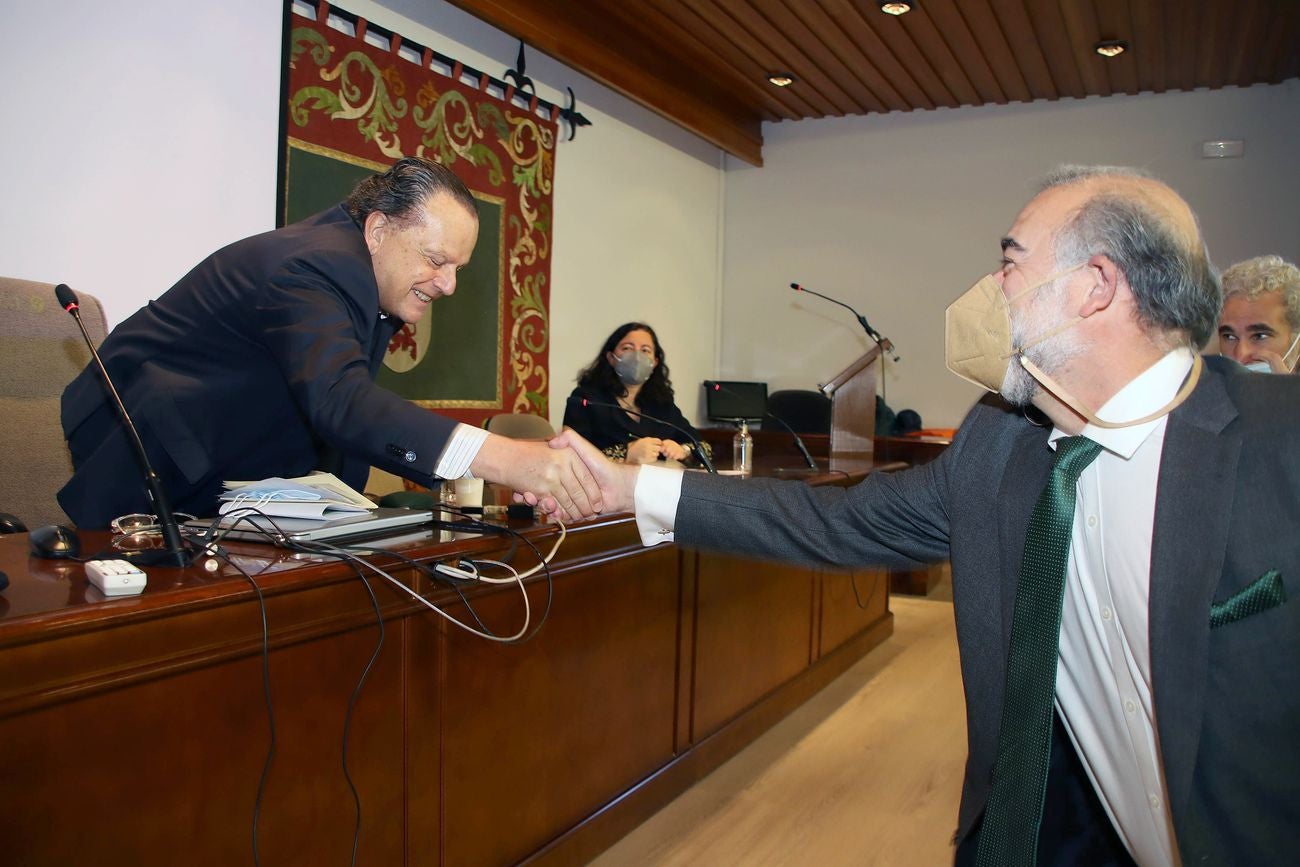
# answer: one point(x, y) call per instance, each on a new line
point(319, 497)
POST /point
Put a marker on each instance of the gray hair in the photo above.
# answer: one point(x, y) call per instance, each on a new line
point(1263, 274)
point(402, 191)
point(1174, 283)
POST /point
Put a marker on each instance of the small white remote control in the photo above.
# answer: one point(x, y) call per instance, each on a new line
point(115, 577)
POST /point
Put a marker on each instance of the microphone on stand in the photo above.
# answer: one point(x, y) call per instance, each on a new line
point(885, 344)
point(699, 448)
point(798, 441)
point(175, 553)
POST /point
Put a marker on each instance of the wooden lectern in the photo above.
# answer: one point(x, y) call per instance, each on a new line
point(853, 407)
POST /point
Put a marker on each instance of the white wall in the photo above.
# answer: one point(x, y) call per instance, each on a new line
point(137, 140)
point(897, 215)
point(140, 140)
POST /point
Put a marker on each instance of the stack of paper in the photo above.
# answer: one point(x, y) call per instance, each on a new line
point(319, 496)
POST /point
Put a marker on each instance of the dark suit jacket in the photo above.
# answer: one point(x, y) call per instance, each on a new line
point(1227, 698)
point(259, 362)
point(604, 426)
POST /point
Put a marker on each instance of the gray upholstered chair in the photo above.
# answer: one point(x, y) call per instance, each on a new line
point(520, 426)
point(41, 350)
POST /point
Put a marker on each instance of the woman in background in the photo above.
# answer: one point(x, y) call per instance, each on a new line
point(630, 377)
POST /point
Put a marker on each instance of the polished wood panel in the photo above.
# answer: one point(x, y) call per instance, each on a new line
point(753, 633)
point(850, 602)
point(145, 718)
point(542, 735)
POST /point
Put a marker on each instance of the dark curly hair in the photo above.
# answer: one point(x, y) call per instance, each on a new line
point(600, 374)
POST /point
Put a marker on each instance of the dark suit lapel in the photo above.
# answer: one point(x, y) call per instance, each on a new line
point(1198, 466)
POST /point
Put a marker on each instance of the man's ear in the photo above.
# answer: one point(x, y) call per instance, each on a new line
point(1106, 282)
point(375, 227)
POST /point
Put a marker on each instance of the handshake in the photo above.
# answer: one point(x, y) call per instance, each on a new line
point(567, 478)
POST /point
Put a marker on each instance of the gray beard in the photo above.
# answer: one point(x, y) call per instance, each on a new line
point(1018, 387)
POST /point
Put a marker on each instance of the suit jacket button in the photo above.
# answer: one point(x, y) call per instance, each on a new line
point(409, 456)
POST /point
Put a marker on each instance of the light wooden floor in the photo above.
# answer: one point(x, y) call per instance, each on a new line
point(867, 772)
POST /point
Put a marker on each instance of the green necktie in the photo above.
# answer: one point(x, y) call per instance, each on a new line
point(1009, 835)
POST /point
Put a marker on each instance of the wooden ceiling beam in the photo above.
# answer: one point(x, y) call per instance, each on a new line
point(623, 63)
point(703, 64)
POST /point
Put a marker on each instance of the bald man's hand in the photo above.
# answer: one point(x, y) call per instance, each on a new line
point(617, 482)
point(556, 480)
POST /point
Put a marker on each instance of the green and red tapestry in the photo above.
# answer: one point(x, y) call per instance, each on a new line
point(353, 108)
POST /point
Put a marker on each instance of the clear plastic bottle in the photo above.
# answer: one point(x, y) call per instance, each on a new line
point(742, 450)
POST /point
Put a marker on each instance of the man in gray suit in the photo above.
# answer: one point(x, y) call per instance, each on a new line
point(1172, 728)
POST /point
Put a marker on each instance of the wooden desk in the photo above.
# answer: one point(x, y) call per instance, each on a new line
point(134, 731)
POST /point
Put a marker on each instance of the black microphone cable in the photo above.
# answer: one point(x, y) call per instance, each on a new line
point(350, 555)
point(695, 441)
point(277, 536)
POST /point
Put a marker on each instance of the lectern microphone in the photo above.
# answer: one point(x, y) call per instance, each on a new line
point(885, 344)
point(175, 553)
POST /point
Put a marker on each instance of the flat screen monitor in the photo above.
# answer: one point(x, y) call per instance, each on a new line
point(735, 401)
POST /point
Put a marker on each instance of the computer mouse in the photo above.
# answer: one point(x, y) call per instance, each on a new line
point(10, 524)
point(54, 542)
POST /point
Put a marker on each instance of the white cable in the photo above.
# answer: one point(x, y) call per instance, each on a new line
point(351, 556)
point(531, 572)
point(517, 578)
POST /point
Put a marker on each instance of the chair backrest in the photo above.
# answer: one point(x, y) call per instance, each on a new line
point(41, 351)
point(520, 426)
point(805, 411)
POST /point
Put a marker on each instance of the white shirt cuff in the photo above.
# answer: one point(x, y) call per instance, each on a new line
point(657, 491)
point(460, 451)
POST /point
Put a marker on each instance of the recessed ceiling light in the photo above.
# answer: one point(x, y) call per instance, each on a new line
point(781, 79)
point(1111, 47)
point(895, 7)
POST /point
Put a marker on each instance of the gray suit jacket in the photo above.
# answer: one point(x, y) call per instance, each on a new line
point(1227, 697)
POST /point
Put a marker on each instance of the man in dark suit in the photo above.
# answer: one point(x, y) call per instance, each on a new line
point(260, 362)
point(1170, 729)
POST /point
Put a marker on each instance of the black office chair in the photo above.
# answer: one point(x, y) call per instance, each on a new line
point(807, 412)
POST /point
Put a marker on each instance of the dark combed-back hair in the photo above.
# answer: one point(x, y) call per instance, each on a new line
point(1175, 284)
point(401, 192)
point(600, 374)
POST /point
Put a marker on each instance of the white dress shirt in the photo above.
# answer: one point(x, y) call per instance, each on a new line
point(459, 452)
point(1103, 682)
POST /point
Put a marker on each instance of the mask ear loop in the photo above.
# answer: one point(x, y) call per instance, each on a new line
point(1066, 398)
point(1052, 332)
point(1290, 365)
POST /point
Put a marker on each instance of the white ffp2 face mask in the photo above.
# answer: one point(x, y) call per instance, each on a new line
point(978, 347)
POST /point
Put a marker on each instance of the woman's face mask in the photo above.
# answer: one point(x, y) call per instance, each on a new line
point(634, 368)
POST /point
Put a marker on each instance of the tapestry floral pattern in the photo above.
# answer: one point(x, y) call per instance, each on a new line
point(369, 106)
